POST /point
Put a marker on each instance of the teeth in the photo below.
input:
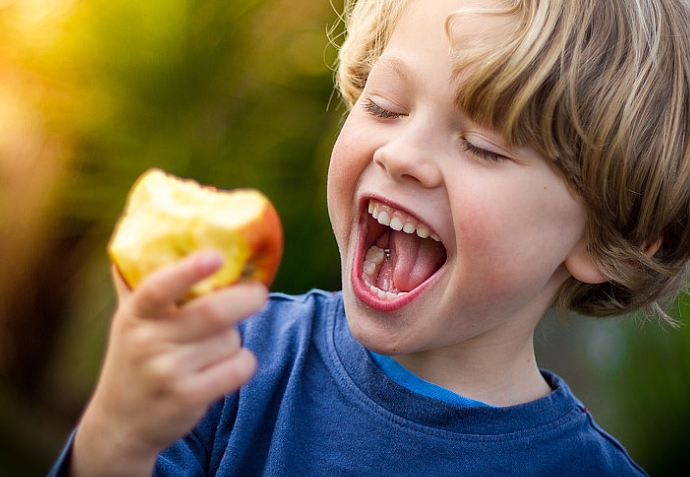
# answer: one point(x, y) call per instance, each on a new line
point(384, 218)
point(375, 255)
point(399, 221)
point(374, 258)
point(384, 294)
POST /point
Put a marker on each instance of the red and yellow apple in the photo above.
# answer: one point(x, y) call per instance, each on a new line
point(167, 218)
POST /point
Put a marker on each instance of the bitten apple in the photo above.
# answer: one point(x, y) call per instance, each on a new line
point(166, 218)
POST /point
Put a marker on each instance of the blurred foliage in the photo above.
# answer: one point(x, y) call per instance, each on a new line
point(231, 93)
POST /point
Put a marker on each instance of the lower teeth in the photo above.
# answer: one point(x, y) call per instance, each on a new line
point(374, 258)
point(383, 294)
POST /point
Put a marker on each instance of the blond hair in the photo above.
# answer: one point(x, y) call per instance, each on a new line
point(600, 87)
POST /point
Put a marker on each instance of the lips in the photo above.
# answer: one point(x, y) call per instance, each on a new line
point(399, 253)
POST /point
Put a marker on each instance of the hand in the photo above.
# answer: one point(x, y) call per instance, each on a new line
point(165, 364)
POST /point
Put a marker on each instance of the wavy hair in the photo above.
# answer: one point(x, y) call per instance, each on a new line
point(601, 88)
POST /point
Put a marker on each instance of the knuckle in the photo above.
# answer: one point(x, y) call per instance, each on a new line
point(214, 315)
point(160, 373)
point(191, 395)
point(147, 299)
point(143, 340)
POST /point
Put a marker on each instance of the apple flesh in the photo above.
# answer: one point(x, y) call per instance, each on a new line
point(167, 218)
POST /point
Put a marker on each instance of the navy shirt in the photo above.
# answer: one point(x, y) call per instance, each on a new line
point(319, 405)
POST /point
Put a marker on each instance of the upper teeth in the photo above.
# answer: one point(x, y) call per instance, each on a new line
point(399, 221)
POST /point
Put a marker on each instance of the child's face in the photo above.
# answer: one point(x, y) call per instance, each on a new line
point(506, 223)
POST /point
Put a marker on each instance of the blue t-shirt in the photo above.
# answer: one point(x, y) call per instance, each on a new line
point(319, 405)
point(401, 375)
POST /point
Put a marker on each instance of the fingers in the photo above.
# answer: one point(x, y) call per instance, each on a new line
point(193, 370)
point(166, 362)
point(220, 310)
point(199, 355)
point(157, 297)
point(224, 376)
point(166, 287)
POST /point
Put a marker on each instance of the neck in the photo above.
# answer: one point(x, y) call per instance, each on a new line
point(502, 374)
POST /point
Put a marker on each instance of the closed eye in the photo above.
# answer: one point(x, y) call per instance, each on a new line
point(379, 112)
point(481, 153)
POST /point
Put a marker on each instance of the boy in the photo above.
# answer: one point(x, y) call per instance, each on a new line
point(499, 157)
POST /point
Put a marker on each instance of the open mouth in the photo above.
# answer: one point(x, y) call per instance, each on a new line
point(400, 252)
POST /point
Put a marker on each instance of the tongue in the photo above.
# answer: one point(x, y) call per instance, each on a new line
point(414, 259)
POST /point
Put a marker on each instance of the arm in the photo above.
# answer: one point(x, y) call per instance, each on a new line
point(164, 365)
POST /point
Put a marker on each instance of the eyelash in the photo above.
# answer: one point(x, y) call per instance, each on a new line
point(481, 153)
point(379, 112)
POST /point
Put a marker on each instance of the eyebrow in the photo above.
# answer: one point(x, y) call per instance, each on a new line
point(391, 64)
point(394, 65)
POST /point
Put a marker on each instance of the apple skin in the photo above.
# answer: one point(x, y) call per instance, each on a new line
point(167, 218)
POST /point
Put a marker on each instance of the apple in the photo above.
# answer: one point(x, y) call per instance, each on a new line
point(167, 217)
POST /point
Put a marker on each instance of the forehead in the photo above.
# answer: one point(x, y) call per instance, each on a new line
point(480, 23)
point(441, 36)
point(460, 25)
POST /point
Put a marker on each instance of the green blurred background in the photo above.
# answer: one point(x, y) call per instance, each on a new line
point(233, 93)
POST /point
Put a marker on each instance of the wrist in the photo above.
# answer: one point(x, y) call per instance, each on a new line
point(107, 451)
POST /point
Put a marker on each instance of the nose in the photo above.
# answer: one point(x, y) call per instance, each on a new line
point(410, 157)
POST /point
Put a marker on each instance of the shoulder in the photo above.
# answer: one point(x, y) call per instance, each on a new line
point(582, 443)
point(290, 312)
point(288, 323)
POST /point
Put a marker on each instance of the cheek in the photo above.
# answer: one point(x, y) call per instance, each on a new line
point(526, 237)
point(483, 229)
point(352, 152)
point(341, 184)
point(482, 246)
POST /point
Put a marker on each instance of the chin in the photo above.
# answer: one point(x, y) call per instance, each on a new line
point(386, 333)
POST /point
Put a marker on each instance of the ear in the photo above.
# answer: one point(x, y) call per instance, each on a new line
point(582, 266)
point(651, 248)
